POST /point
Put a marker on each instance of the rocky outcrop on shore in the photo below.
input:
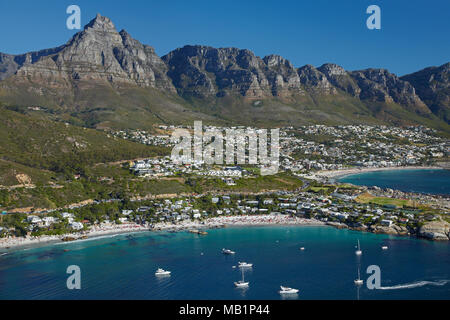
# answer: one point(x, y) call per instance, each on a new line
point(337, 225)
point(393, 229)
point(435, 230)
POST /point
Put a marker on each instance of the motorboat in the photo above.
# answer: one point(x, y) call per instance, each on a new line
point(287, 290)
point(162, 272)
point(227, 251)
point(384, 247)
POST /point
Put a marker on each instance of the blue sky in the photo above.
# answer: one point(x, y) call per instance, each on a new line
point(414, 34)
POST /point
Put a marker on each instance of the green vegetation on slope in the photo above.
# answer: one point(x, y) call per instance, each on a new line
point(37, 143)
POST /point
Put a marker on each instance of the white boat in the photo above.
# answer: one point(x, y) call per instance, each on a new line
point(287, 290)
point(358, 252)
point(302, 248)
point(358, 281)
point(241, 283)
point(162, 272)
point(227, 251)
point(245, 265)
point(384, 247)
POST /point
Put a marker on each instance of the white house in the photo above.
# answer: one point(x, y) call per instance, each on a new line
point(34, 219)
point(386, 223)
point(76, 225)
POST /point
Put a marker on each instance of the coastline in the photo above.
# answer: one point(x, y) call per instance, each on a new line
point(347, 172)
point(16, 243)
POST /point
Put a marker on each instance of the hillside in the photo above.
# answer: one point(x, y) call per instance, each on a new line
point(34, 149)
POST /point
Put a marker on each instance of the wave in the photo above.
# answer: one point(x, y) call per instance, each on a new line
point(416, 284)
point(90, 239)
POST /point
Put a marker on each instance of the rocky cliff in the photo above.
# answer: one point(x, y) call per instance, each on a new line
point(435, 230)
point(98, 53)
point(433, 87)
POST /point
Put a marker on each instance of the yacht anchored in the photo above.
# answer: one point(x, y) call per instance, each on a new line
point(245, 265)
point(358, 281)
point(358, 252)
point(162, 272)
point(227, 251)
point(287, 290)
point(384, 247)
point(241, 283)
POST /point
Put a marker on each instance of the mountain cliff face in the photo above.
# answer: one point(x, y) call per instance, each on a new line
point(433, 87)
point(93, 69)
point(98, 53)
point(204, 71)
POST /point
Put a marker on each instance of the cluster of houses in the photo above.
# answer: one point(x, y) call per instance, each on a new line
point(46, 221)
point(301, 150)
point(339, 206)
point(145, 137)
point(164, 166)
point(359, 145)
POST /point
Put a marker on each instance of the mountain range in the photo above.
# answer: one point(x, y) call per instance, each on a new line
point(103, 78)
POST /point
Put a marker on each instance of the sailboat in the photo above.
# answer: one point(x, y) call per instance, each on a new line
point(358, 252)
point(245, 265)
point(241, 283)
point(358, 281)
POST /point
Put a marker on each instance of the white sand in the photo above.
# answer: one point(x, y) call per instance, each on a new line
point(345, 172)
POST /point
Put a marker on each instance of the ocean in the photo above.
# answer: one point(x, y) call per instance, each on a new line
point(431, 181)
point(123, 266)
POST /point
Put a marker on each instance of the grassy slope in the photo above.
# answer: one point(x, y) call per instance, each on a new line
point(96, 104)
point(31, 144)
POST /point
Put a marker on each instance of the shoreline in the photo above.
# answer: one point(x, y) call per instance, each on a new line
point(97, 232)
point(346, 172)
point(10, 245)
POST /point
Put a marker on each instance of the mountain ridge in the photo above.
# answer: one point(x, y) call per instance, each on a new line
point(99, 70)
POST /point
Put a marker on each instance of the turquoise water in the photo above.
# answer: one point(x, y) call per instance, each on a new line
point(122, 267)
point(433, 181)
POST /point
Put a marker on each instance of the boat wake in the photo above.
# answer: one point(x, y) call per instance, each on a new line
point(416, 285)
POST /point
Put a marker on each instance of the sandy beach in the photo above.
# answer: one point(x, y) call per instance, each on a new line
point(110, 229)
point(346, 172)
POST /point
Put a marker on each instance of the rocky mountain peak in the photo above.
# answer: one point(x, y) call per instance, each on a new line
point(100, 23)
point(99, 54)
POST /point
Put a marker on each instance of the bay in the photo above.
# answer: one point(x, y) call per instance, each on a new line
point(123, 266)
